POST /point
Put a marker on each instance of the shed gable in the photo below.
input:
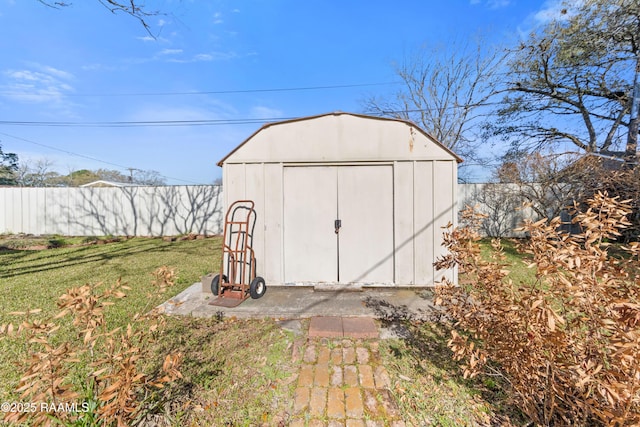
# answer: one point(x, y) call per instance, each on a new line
point(338, 137)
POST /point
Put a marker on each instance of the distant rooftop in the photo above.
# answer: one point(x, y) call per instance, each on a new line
point(103, 183)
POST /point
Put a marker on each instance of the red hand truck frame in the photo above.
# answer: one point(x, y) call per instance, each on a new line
point(238, 281)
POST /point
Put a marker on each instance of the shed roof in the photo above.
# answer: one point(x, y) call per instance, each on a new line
point(303, 119)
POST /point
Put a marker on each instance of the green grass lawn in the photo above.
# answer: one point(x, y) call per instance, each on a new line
point(429, 386)
point(237, 372)
point(230, 374)
point(35, 279)
point(518, 270)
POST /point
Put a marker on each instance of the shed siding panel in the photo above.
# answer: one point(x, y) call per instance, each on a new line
point(423, 215)
point(273, 203)
point(234, 182)
point(403, 218)
point(254, 190)
point(443, 206)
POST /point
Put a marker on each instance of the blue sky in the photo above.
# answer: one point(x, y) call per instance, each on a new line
point(210, 60)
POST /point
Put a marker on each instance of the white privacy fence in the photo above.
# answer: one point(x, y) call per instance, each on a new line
point(174, 210)
point(118, 211)
point(502, 203)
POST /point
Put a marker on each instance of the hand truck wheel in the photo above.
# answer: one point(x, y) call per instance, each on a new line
point(257, 288)
point(215, 283)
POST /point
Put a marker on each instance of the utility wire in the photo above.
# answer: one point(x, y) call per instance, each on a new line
point(212, 122)
point(71, 153)
point(207, 122)
point(224, 122)
point(554, 68)
point(221, 92)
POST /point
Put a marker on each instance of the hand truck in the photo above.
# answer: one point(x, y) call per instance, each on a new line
point(237, 279)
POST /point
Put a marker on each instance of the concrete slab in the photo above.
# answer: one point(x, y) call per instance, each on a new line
point(325, 326)
point(334, 287)
point(297, 302)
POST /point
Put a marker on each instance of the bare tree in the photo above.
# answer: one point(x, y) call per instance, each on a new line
point(548, 182)
point(500, 202)
point(148, 177)
point(444, 91)
point(136, 9)
point(572, 81)
point(38, 174)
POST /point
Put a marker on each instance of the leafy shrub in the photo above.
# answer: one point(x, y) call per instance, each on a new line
point(568, 344)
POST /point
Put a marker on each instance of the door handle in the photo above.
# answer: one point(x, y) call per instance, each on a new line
point(337, 224)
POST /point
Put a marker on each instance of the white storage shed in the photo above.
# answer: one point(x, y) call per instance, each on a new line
point(345, 198)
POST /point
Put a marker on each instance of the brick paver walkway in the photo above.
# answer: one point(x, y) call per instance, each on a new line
point(342, 383)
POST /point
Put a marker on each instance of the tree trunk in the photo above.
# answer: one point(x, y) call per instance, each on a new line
point(630, 157)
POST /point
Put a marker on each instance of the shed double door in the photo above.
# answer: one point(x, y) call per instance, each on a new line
point(338, 224)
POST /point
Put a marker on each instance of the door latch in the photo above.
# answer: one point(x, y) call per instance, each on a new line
point(337, 224)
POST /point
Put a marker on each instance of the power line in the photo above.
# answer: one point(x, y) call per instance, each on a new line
point(71, 153)
point(206, 122)
point(209, 122)
point(225, 122)
point(223, 92)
